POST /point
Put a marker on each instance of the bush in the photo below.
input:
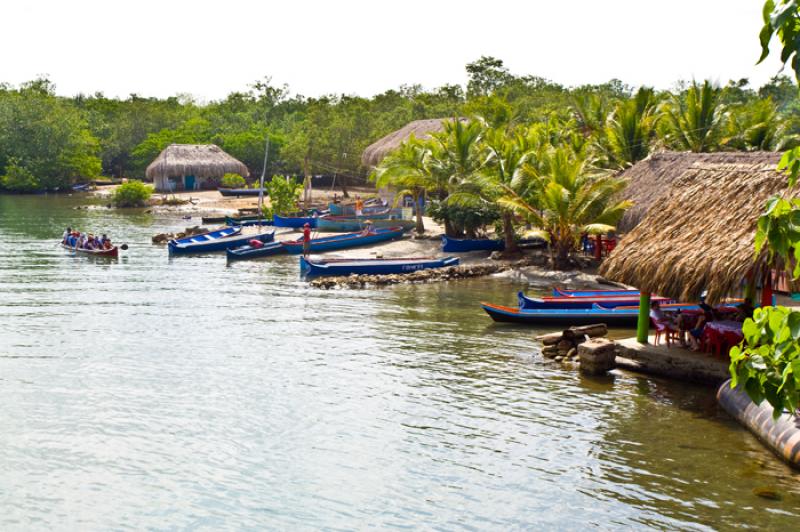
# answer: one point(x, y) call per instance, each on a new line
point(233, 181)
point(132, 194)
point(470, 221)
point(19, 179)
point(283, 195)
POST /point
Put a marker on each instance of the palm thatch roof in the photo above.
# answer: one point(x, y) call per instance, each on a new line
point(700, 235)
point(650, 180)
point(375, 152)
point(199, 160)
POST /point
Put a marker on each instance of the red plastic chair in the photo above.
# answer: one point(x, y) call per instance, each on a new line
point(670, 334)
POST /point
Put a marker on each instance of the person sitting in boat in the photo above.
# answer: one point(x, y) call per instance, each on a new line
point(367, 228)
point(256, 243)
point(90, 243)
point(66, 235)
point(306, 239)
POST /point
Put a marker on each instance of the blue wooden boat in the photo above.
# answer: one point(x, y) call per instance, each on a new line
point(342, 224)
point(250, 252)
point(293, 221)
point(462, 245)
point(246, 221)
point(560, 292)
point(337, 267)
point(349, 209)
point(236, 239)
point(344, 241)
point(611, 317)
point(526, 302)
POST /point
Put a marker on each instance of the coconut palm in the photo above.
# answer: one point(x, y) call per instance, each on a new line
point(407, 170)
point(758, 126)
point(566, 198)
point(696, 121)
point(630, 129)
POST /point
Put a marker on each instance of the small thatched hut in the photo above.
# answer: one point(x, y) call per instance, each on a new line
point(698, 234)
point(375, 152)
point(192, 167)
point(650, 180)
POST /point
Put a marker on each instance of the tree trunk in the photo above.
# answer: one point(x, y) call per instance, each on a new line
point(343, 182)
point(562, 254)
point(509, 235)
point(306, 182)
point(449, 230)
point(418, 212)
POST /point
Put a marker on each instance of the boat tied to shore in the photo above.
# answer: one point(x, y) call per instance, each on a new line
point(377, 266)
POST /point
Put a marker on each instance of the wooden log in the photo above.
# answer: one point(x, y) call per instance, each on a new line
point(550, 338)
point(592, 331)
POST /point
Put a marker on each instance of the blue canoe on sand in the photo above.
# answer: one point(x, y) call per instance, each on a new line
point(344, 241)
point(230, 237)
point(462, 245)
point(338, 267)
point(526, 302)
point(563, 292)
point(295, 222)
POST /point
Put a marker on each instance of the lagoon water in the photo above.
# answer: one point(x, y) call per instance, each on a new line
point(145, 392)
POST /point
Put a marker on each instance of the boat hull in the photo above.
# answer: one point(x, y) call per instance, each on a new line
point(249, 252)
point(461, 245)
point(220, 244)
point(294, 222)
point(345, 241)
point(526, 302)
point(242, 191)
point(110, 253)
point(335, 224)
point(323, 268)
point(559, 292)
point(617, 318)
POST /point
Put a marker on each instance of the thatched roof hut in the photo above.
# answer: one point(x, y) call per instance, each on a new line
point(700, 234)
point(649, 181)
point(375, 152)
point(192, 166)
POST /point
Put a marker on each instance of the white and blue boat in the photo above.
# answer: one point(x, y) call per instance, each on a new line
point(220, 240)
point(344, 241)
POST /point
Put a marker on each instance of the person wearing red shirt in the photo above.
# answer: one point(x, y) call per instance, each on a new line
point(306, 239)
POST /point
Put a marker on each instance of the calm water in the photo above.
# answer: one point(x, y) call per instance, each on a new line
point(149, 393)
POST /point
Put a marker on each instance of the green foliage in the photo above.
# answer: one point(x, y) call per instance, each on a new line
point(283, 195)
point(49, 134)
point(767, 364)
point(233, 181)
point(781, 18)
point(19, 179)
point(131, 194)
point(695, 121)
point(779, 229)
point(468, 220)
point(631, 128)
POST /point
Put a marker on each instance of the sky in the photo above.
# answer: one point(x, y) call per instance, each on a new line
point(210, 49)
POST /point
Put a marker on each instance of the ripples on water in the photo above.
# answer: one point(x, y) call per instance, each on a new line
point(145, 392)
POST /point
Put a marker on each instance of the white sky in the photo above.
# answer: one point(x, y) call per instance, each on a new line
point(209, 49)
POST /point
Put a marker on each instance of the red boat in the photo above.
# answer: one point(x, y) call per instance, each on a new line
point(113, 252)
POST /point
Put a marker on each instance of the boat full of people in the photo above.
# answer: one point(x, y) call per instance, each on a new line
point(88, 243)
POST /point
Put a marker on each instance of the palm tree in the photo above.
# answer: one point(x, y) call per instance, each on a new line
point(758, 126)
point(630, 129)
point(696, 121)
point(567, 197)
point(407, 169)
point(454, 157)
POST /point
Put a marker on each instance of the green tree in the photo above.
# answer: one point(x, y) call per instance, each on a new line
point(19, 179)
point(758, 126)
point(132, 194)
point(631, 128)
point(695, 121)
point(407, 170)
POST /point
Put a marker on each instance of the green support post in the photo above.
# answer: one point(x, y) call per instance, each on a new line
point(643, 326)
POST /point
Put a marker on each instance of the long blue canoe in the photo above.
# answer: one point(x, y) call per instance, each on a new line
point(250, 219)
point(293, 221)
point(250, 252)
point(344, 241)
point(341, 224)
point(526, 302)
point(243, 191)
point(561, 292)
point(217, 244)
point(225, 232)
point(337, 267)
point(610, 317)
point(462, 245)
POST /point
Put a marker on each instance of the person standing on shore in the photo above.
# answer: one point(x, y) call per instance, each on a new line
point(306, 239)
point(359, 206)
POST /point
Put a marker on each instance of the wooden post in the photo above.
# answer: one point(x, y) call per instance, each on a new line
point(643, 326)
point(598, 247)
point(766, 289)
